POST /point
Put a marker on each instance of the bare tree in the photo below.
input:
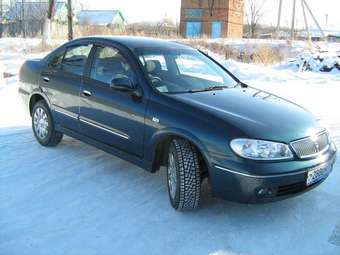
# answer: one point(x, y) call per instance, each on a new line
point(1, 10)
point(69, 19)
point(254, 15)
point(211, 4)
point(23, 25)
point(48, 22)
point(50, 9)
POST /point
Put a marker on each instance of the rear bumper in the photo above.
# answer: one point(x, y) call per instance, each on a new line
point(241, 187)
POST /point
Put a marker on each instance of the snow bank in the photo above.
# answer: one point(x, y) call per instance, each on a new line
point(318, 61)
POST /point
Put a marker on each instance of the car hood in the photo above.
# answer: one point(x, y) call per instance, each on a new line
point(256, 113)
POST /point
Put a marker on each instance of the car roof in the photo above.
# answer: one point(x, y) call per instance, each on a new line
point(135, 42)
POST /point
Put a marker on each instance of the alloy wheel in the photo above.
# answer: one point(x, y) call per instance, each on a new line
point(40, 121)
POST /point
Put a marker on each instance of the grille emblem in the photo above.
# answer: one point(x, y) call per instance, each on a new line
point(317, 146)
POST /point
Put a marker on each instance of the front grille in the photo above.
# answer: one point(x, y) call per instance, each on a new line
point(311, 146)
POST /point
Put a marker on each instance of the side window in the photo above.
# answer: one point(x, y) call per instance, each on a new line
point(55, 62)
point(75, 59)
point(109, 64)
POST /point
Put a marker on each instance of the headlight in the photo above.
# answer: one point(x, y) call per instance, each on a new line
point(260, 150)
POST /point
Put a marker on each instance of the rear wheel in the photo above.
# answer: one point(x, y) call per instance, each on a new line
point(43, 126)
point(183, 175)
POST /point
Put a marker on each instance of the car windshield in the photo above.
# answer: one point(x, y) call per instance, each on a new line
point(183, 71)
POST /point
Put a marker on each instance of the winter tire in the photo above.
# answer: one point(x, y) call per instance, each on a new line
point(183, 176)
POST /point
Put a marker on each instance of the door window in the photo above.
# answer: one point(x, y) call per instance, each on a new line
point(55, 62)
point(75, 59)
point(109, 64)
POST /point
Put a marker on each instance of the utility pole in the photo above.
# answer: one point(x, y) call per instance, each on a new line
point(315, 20)
point(69, 20)
point(292, 31)
point(279, 20)
point(306, 21)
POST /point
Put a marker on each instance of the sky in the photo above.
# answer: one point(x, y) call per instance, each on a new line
point(154, 10)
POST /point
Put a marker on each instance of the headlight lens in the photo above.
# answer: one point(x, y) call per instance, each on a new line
point(260, 150)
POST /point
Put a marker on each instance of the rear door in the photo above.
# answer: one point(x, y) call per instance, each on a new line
point(61, 81)
point(110, 116)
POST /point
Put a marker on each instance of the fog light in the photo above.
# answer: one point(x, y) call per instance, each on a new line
point(265, 192)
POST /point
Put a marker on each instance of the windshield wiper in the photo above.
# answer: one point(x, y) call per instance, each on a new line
point(240, 84)
point(212, 88)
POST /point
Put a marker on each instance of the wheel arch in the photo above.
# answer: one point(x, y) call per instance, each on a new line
point(34, 98)
point(161, 140)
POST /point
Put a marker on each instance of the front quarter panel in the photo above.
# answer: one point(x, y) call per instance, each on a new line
point(167, 116)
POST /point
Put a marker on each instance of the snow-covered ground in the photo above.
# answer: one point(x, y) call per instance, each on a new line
point(75, 199)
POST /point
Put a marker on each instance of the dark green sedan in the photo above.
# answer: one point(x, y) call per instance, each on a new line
point(158, 103)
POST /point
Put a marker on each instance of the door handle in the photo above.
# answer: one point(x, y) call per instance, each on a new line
point(46, 79)
point(86, 93)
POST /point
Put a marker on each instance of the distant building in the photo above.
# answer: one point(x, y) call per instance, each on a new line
point(101, 18)
point(212, 18)
point(331, 35)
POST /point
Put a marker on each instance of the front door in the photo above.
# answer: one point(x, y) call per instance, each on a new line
point(107, 115)
point(61, 82)
point(216, 29)
point(193, 29)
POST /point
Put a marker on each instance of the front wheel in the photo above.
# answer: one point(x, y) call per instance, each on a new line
point(183, 175)
point(43, 126)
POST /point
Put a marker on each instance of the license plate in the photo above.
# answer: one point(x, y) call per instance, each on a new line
point(318, 174)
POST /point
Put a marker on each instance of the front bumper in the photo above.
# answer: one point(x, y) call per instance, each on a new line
point(243, 187)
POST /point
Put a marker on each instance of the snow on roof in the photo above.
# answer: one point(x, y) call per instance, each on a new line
point(99, 17)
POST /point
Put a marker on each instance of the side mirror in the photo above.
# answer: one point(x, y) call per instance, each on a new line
point(125, 84)
point(122, 84)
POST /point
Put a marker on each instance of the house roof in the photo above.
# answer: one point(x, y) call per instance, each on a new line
point(99, 17)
